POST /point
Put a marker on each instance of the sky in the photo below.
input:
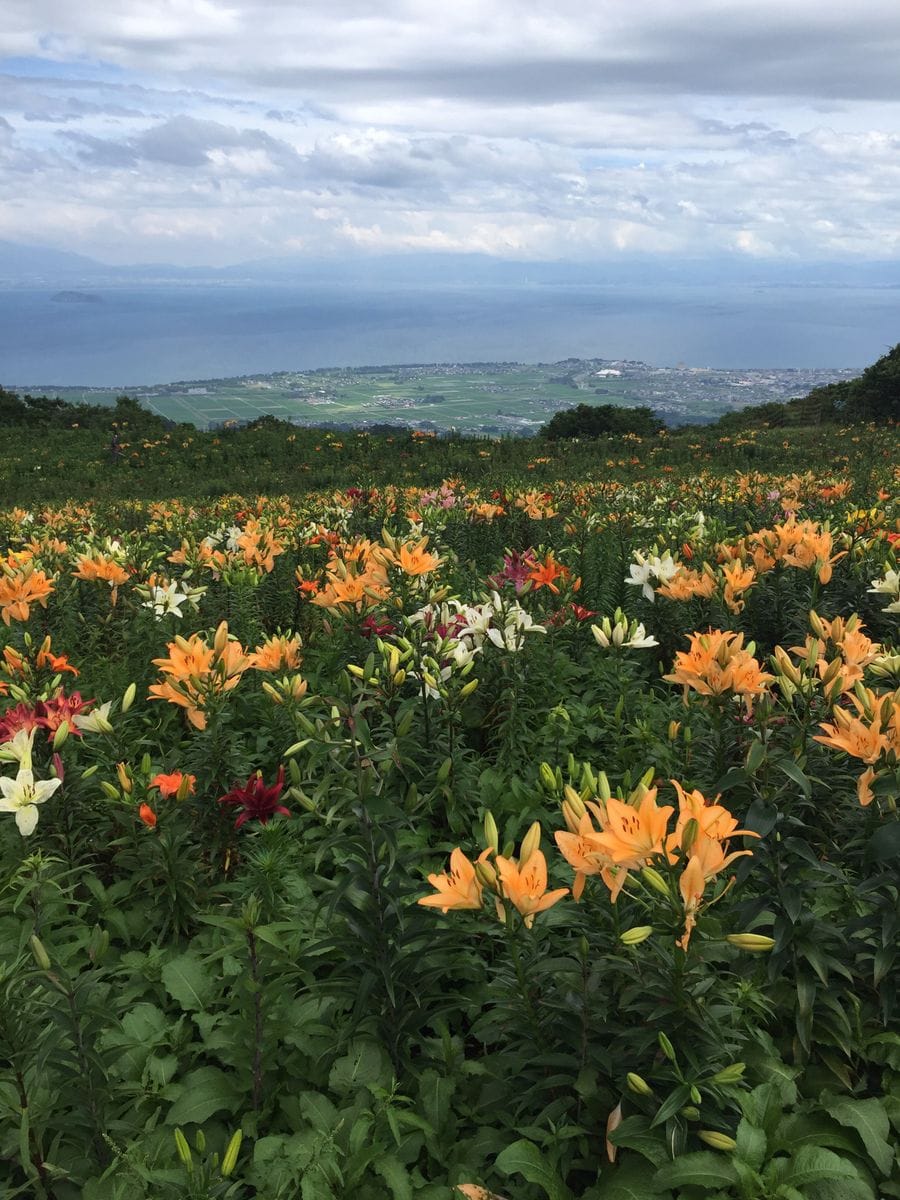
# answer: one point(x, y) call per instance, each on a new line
point(209, 132)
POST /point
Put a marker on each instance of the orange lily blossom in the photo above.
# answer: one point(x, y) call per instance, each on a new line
point(855, 737)
point(20, 589)
point(714, 821)
point(458, 888)
point(542, 574)
point(632, 834)
point(169, 785)
point(524, 885)
point(586, 857)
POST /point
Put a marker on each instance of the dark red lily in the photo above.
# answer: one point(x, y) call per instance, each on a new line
point(258, 802)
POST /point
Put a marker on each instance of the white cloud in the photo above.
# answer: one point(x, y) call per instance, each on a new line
point(225, 130)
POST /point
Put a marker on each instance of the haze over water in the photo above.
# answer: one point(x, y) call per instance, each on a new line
point(165, 333)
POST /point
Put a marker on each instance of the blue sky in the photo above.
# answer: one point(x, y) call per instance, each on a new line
point(206, 133)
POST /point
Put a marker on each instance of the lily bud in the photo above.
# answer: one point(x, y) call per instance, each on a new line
point(229, 1162)
point(109, 791)
point(689, 835)
point(816, 625)
point(468, 689)
point(124, 778)
point(753, 943)
point(548, 776)
point(718, 1141)
point(530, 842)
point(491, 832)
point(184, 788)
point(729, 1074)
point(486, 875)
point(41, 957)
point(220, 641)
point(636, 935)
point(637, 1085)
point(128, 698)
point(653, 879)
point(184, 1150)
point(443, 771)
point(666, 1046)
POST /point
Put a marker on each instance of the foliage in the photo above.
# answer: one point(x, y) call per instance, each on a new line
point(529, 832)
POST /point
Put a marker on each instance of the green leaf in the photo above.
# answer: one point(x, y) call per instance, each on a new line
point(202, 1092)
point(793, 772)
point(840, 1189)
point(815, 1164)
point(395, 1175)
point(813, 1129)
point(364, 1065)
point(188, 982)
point(436, 1092)
point(634, 1134)
point(870, 1121)
point(524, 1158)
point(702, 1169)
point(630, 1181)
point(751, 1144)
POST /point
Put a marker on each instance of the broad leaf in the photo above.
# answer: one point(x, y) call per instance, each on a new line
point(524, 1158)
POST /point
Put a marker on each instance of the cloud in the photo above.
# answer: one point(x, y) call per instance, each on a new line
point(548, 130)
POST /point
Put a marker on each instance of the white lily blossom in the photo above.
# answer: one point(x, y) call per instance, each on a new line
point(95, 722)
point(889, 586)
point(18, 749)
point(622, 633)
point(166, 600)
point(641, 572)
point(23, 794)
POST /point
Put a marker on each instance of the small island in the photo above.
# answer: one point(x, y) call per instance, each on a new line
point(76, 298)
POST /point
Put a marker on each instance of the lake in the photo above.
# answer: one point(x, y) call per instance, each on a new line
point(161, 333)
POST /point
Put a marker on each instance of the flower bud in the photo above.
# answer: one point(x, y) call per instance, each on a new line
point(184, 788)
point(60, 735)
point(637, 1085)
point(110, 791)
point(666, 1046)
point(468, 689)
point(491, 832)
point(636, 935)
point(229, 1162)
point(41, 957)
point(653, 879)
point(184, 1150)
point(690, 1112)
point(695, 1093)
point(816, 625)
point(443, 771)
point(128, 698)
point(486, 875)
point(220, 641)
point(124, 778)
point(718, 1141)
point(548, 776)
point(689, 834)
point(730, 1074)
point(530, 842)
point(753, 943)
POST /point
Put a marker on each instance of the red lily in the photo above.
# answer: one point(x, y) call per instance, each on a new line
point(256, 800)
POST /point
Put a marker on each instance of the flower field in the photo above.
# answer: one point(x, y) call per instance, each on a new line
point(502, 837)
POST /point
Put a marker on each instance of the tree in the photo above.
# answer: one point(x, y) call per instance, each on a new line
point(602, 420)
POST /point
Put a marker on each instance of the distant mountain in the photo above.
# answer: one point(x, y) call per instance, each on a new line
point(37, 265)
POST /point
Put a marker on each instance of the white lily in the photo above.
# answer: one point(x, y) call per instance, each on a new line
point(165, 600)
point(95, 722)
point(19, 748)
point(23, 794)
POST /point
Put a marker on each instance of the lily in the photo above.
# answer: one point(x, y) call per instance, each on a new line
point(23, 794)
